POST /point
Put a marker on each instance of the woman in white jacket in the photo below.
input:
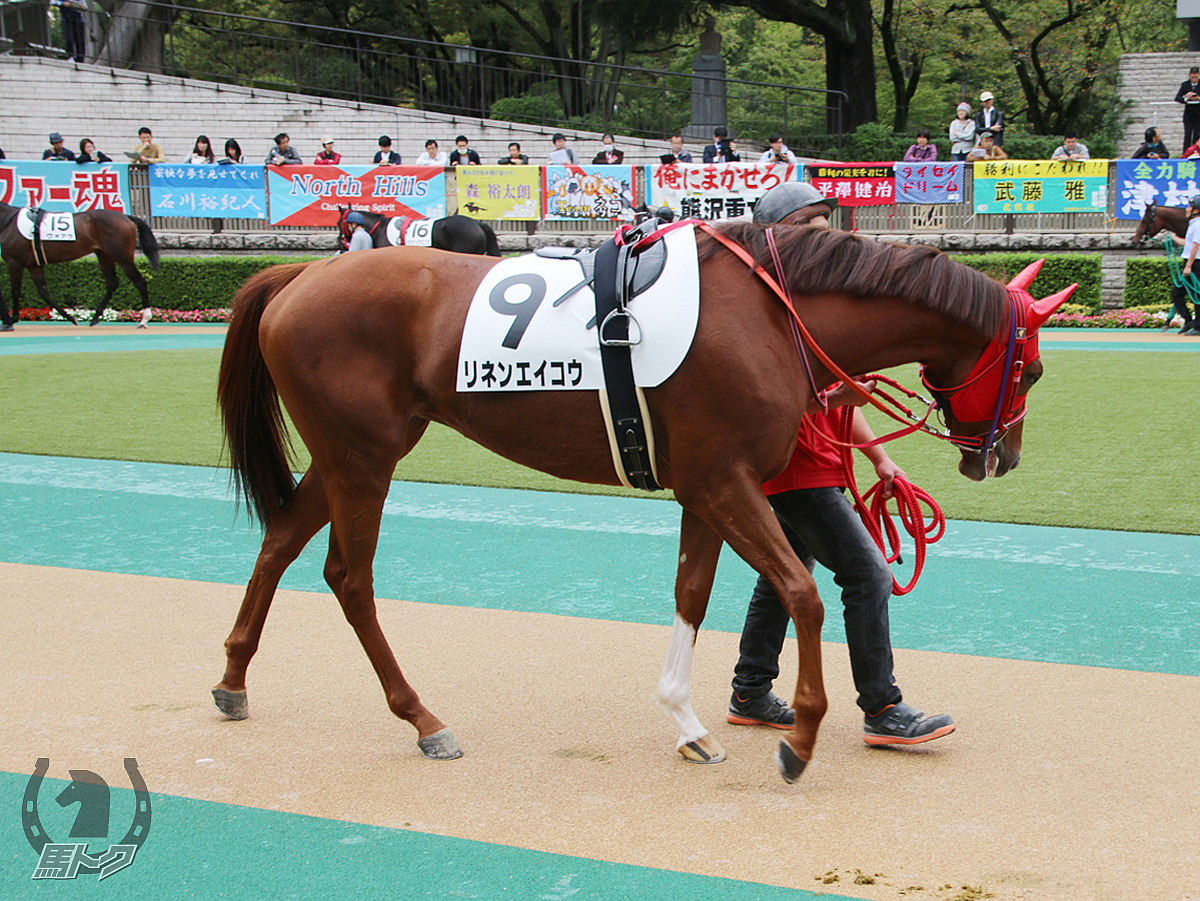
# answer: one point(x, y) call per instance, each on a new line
point(962, 132)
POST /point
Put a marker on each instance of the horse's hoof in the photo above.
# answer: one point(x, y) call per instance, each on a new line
point(790, 766)
point(232, 703)
point(440, 746)
point(705, 749)
point(6, 326)
point(93, 322)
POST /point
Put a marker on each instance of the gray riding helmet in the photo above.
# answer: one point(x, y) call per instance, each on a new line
point(783, 200)
point(1195, 202)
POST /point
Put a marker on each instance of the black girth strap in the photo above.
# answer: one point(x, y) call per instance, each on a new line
point(39, 250)
point(615, 341)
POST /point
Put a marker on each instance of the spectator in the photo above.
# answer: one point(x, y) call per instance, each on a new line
point(962, 132)
point(89, 154)
point(561, 155)
point(677, 154)
point(721, 150)
point(385, 156)
point(74, 30)
point(986, 149)
point(56, 151)
point(327, 156)
point(1071, 149)
point(922, 151)
point(777, 152)
point(515, 156)
point(461, 155)
point(1189, 95)
point(990, 119)
point(610, 155)
point(432, 156)
point(1191, 152)
point(146, 151)
point(1153, 147)
point(202, 153)
point(2, 153)
point(233, 154)
point(283, 153)
point(359, 239)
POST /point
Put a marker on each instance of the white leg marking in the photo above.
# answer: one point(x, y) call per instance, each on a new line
point(674, 688)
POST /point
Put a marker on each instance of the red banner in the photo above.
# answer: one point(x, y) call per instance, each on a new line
point(311, 195)
point(855, 184)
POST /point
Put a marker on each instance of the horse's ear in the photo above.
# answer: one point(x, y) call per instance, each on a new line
point(1023, 279)
point(1041, 310)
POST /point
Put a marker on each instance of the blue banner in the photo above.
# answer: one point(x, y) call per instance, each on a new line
point(211, 191)
point(65, 187)
point(929, 182)
point(1166, 182)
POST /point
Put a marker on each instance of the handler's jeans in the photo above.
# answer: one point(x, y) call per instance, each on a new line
point(821, 523)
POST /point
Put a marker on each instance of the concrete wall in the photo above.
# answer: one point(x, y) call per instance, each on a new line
point(39, 96)
point(1149, 81)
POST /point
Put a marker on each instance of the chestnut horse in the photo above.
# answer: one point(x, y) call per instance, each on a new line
point(1156, 218)
point(111, 235)
point(362, 350)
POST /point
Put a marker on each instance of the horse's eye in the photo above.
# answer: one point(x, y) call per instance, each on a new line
point(1032, 377)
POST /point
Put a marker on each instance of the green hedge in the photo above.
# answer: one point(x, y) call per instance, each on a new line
point(1059, 271)
point(180, 283)
point(1147, 281)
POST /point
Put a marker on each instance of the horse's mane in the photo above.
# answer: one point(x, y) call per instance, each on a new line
point(823, 261)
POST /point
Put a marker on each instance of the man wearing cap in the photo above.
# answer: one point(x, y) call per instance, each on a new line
point(990, 119)
point(56, 150)
point(1180, 293)
point(359, 239)
point(385, 155)
point(328, 156)
point(819, 522)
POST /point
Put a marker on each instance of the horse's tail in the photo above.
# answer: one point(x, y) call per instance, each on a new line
point(147, 240)
point(255, 434)
point(493, 245)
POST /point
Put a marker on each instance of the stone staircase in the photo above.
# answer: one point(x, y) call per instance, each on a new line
point(1148, 84)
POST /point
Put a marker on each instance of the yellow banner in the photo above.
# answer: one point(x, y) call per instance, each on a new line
point(1041, 168)
point(501, 192)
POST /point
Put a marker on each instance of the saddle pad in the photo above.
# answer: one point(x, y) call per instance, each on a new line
point(410, 232)
point(517, 338)
point(55, 226)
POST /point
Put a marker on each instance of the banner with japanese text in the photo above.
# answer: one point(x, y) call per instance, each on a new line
point(499, 192)
point(930, 182)
point(220, 192)
point(714, 190)
point(588, 192)
point(311, 195)
point(855, 184)
point(1162, 182)
point(63, 187)
point(1041, 186)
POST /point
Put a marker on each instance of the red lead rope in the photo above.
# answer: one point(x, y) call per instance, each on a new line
point(872, 509)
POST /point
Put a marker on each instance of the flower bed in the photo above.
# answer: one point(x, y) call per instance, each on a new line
point(1112, 319)
point(83, 314)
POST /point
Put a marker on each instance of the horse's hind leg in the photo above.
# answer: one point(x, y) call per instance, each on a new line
point(109, 270)
point(129, 267)
point(285, 538)
point(356, 505)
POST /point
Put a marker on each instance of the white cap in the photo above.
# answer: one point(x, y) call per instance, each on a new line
point(328, 139)
point(986, 95)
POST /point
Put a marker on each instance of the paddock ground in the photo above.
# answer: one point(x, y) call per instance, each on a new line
point(1069, 658)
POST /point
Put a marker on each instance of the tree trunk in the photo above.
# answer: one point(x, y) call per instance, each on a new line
point(850, 67)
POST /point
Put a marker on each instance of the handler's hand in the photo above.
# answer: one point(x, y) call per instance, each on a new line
point(888, 472)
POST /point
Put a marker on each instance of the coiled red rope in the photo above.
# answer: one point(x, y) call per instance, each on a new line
point(872, 506)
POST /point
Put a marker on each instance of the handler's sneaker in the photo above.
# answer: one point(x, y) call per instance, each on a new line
point(766, 710)
point(899, 724)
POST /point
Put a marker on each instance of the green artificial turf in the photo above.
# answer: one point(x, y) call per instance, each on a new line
point(1111, 439)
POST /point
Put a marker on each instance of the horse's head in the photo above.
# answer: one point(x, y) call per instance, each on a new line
point(985, 413)
point(1149, 226)
point(343, 226)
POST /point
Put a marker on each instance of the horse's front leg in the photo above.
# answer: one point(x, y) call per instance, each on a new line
point(39, 282)
point(699, 549)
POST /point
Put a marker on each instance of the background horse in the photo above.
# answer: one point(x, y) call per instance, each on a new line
point(112, 236)
point(459, 234)
point(1156, 218)
point(362, 350)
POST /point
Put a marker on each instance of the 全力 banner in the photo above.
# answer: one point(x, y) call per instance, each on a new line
point(499, 192)
point(65, 186)
point(311, 195)
point(1041, 186)
point(855, 184)
point(714, 190)
point(1162, 182)
point(588, 192)
point(929, 182)
point(221, 192)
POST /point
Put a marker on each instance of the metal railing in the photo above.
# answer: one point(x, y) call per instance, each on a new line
point(476, 82)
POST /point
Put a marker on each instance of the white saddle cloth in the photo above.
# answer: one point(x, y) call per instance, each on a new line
point(55, 226)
